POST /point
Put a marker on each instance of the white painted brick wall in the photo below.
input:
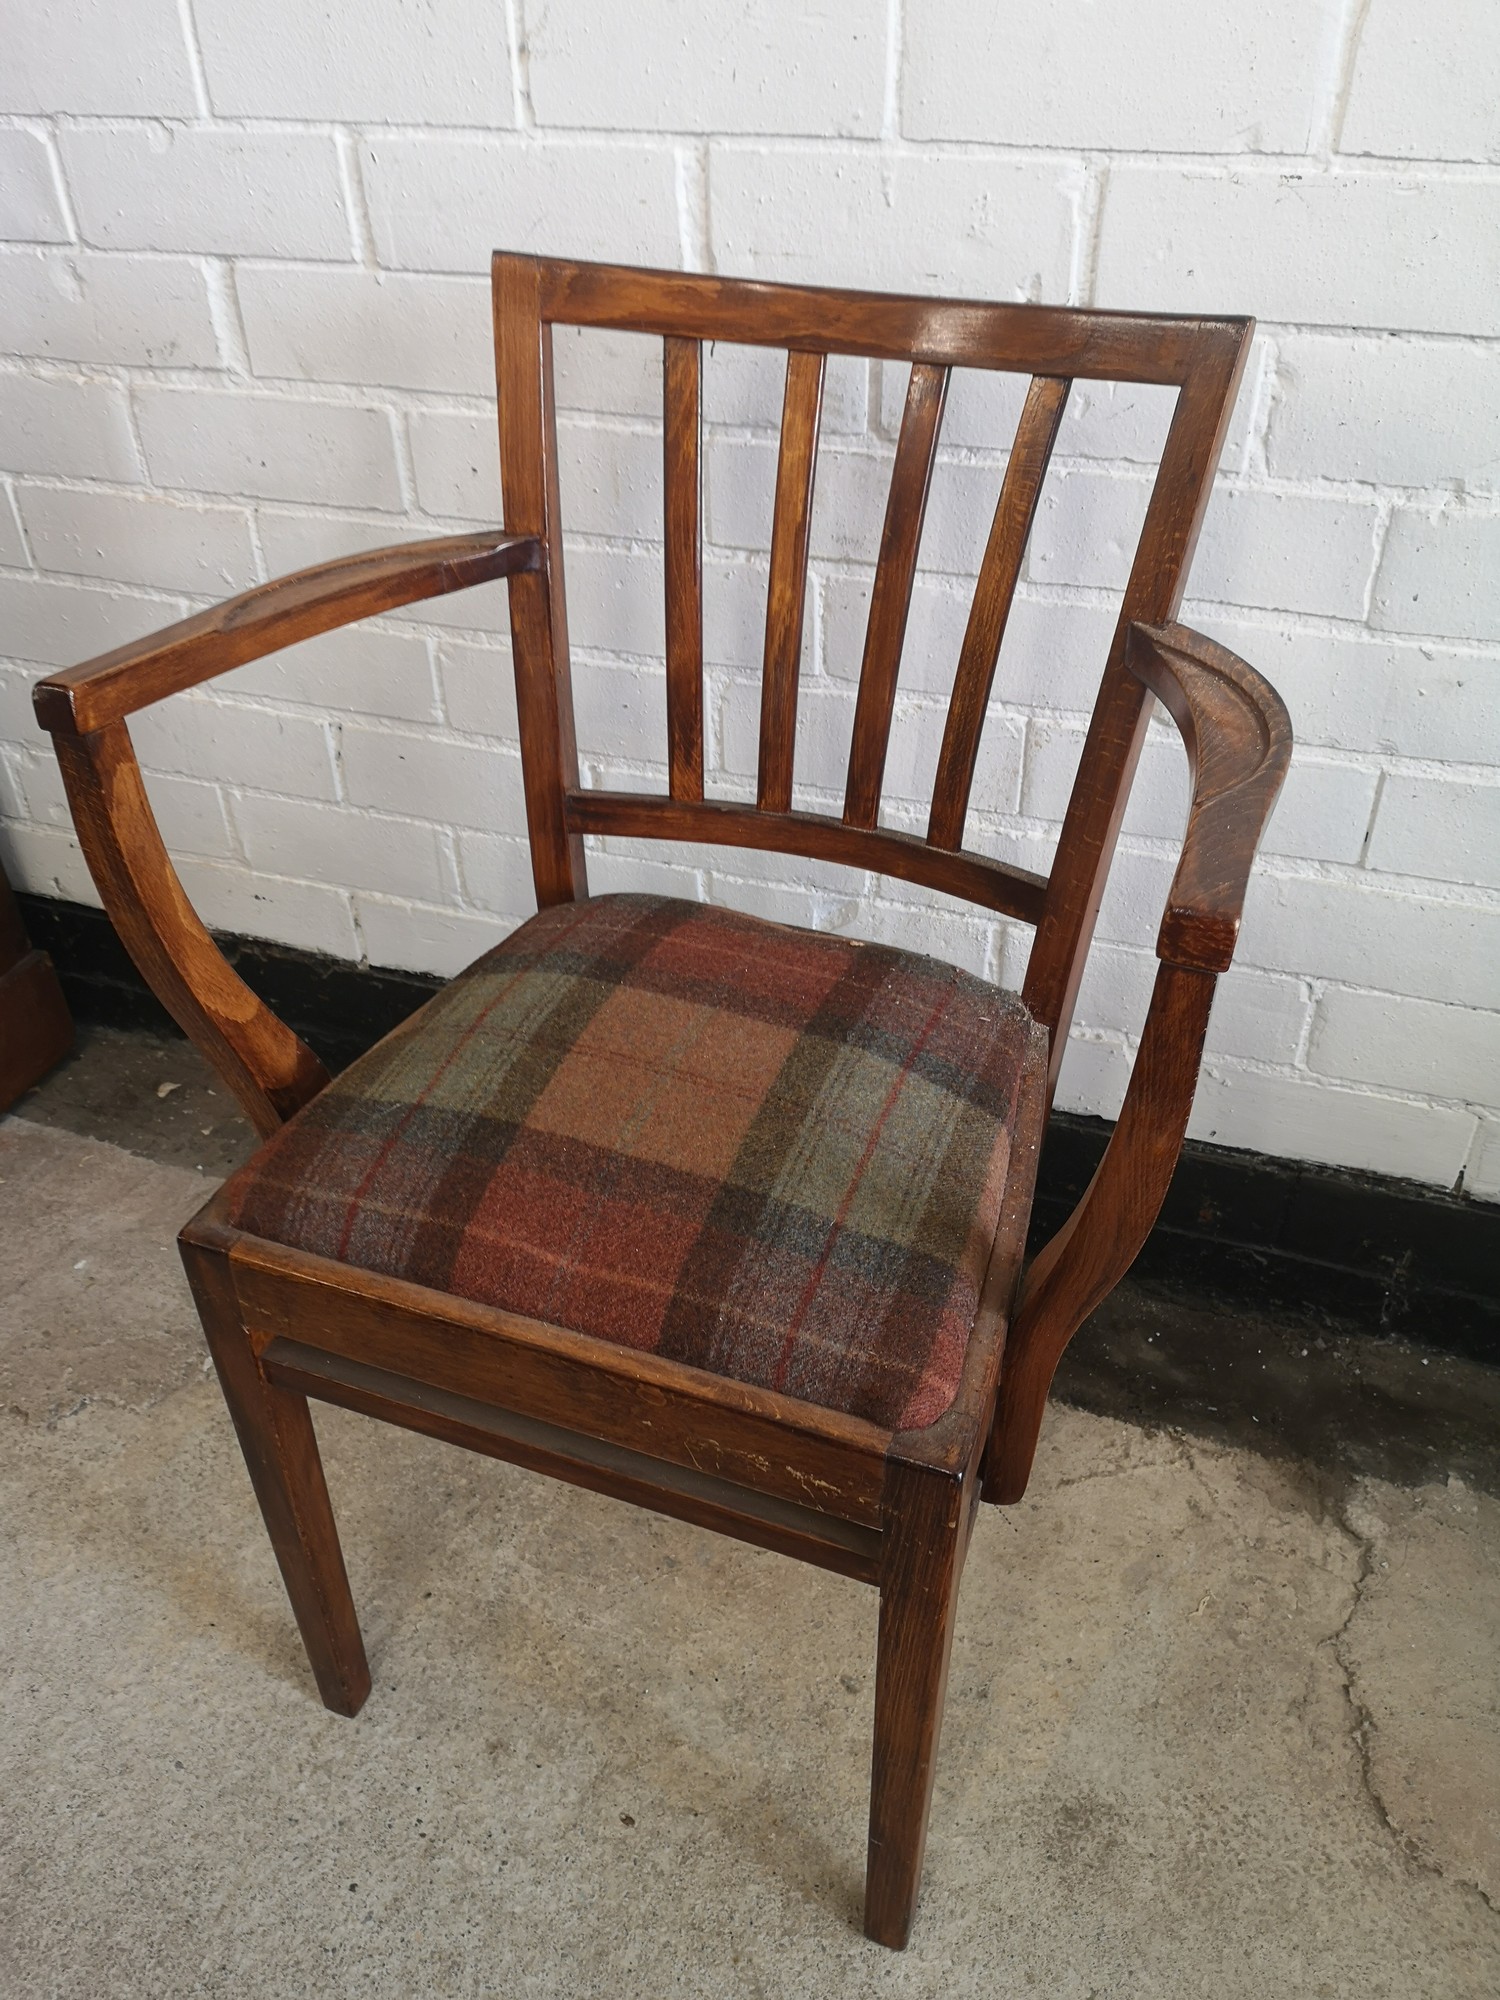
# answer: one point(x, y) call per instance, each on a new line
point(244, 327)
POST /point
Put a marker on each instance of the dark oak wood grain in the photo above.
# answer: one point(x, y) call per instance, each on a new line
point(895, 1510)
point(999, 573)
point(682, 447)
point(890, 600)
point(786, 594)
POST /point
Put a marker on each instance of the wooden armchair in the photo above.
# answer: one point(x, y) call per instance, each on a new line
point(715, 1215)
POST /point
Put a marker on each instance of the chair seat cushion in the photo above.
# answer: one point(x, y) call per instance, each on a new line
point(770, 1153)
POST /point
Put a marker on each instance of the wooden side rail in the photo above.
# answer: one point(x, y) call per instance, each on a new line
point(270, 1070)
point(261, 621)
point(1239, 742)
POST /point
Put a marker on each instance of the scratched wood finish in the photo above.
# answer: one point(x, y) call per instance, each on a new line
point(995, 592)
point(786, 594)
point(890, 600)
point(895, 1510)
point(682, 449)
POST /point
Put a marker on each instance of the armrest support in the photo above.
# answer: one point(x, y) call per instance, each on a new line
point(106, 689)
point(270, 1070)
point(1238, 742)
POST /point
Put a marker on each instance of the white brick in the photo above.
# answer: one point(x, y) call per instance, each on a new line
point(479, 689)
point(394, 331)
point(1258, 1016)
point(245, 194)
point(429, 777)
point(610, 480)
point(1373, 693)
point(59, 624)
point(1166, 76)
point(1087, 527)
point(746, 386)
point(1401, 412)
point(164, 544)
point(1052, 655)
point(110, 57)
point(357, 670)
point(1446, 829)
point(30, 211)
point(1426, 82)
point(85, 306)
point(444, 204)
point(1413, 1045)
point(457, 463)
point(75, 430)
point(497, 873)
point(1117, 420)
point(1373, 936)
point(825, 724)
point(293, 541)
point(849, 502)
point(995, 228)
point(297, 913)
point(1323, 813)
point(354, 850)
point(1440, 572)
point(17, 717)
point(1257, 548)
point(1298, 246)
point(12, 546)
point(1093, 1077)
point(398, 60)
point(1282, 1114)
point(417, 938)
point(615, 374)
point(45, 861)
point(1482, 1172)
point(615, 601)
point(621, 713)
point(199, 737)
point(769, 66)
point(191, 816)
point(271, 447)
point(612, 872)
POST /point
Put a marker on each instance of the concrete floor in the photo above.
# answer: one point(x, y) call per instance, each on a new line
point(1222, 1719)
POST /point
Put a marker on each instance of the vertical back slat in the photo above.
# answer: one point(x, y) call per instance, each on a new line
point(1010, 531)
point(682, 433)
point(890, 600)
point(538, 609)
point(787, 595)
point(1117, 729)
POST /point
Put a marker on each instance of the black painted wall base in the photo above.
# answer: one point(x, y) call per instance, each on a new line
point(1387, 1255)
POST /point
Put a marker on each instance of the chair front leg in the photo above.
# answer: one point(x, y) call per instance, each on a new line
point(924, 1540)
point(281, 1451)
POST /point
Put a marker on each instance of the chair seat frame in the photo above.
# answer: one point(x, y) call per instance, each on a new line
point(893, 1509)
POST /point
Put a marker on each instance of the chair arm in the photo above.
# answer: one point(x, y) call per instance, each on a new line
point(1239, 742)
point(104, 690)
point(270, 1069)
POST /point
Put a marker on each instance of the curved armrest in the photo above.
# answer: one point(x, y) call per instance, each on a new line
point(106, 689)
point(1239, 742)
point(270, 1070)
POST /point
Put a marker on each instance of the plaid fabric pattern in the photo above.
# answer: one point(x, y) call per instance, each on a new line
point(770, 1153)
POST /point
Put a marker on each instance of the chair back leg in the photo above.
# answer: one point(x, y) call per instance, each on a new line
point(281, 1450)
point(924, 1523)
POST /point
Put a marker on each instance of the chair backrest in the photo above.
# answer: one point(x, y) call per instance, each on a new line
point(1201, 358)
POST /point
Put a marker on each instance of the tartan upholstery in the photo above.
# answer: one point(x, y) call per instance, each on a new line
point(770, 1153)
